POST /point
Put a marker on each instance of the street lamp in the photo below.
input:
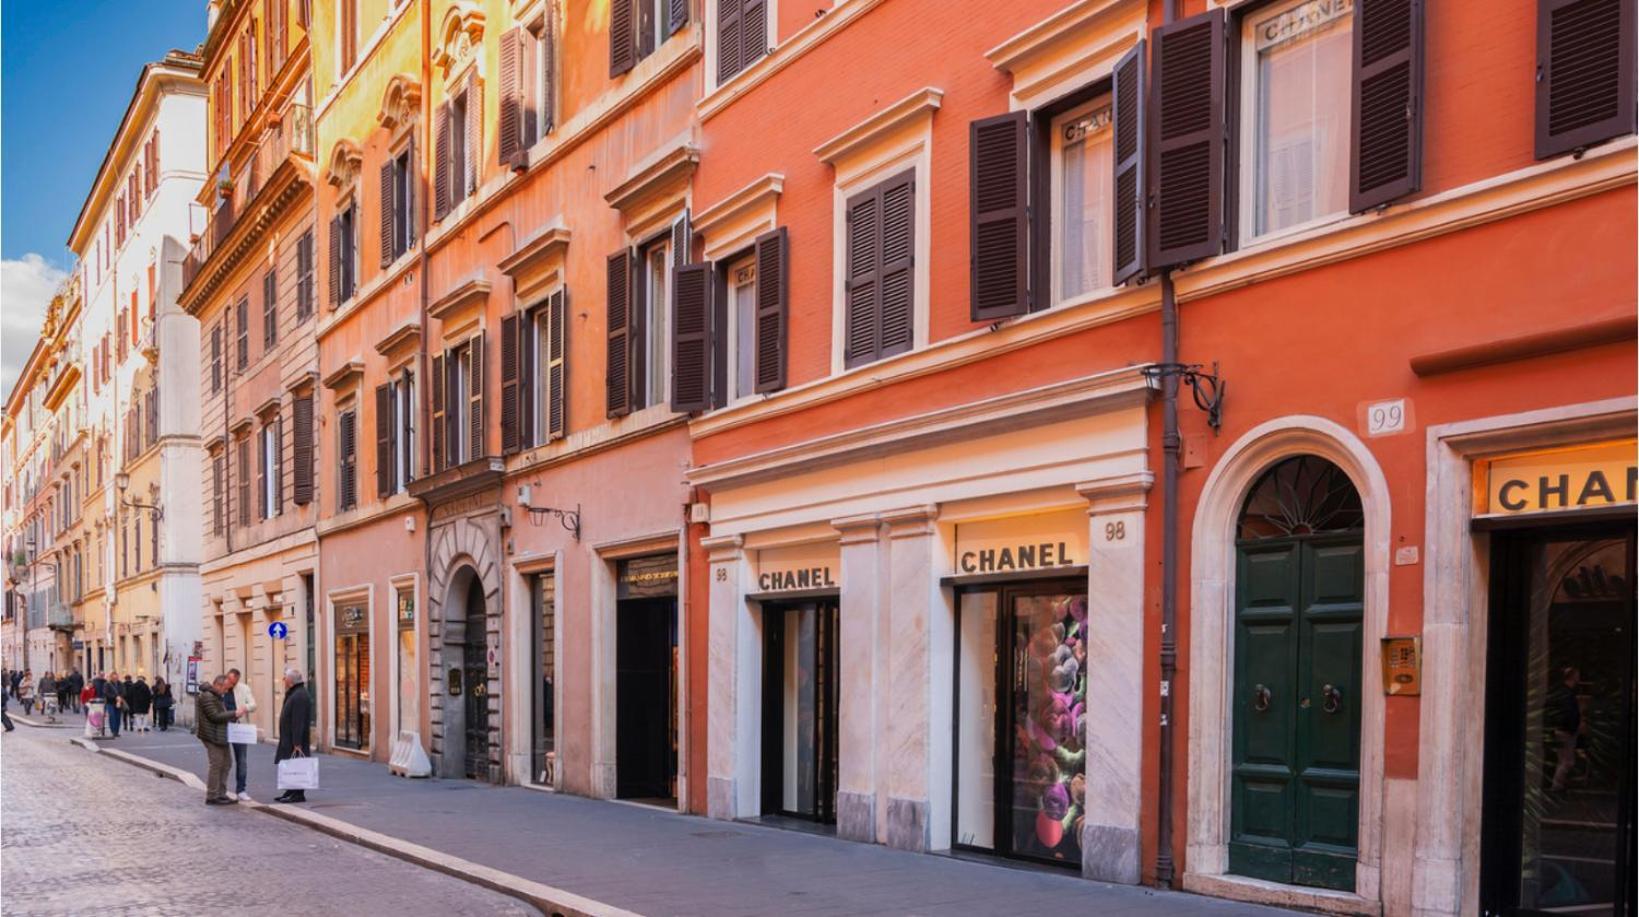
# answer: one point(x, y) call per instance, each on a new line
point(123, 482)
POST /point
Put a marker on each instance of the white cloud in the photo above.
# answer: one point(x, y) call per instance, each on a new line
point(26, 287)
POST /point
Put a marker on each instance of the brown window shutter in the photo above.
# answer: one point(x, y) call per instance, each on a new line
point(529, 92)
point(347, 468)
point(862, 283)
point(998, 208)
point(1127, 104)
point(528, 373)
point(772, 250)
point(270, 309)
point(216, 357)
point(216, 494)
point(618, 381)
point(301, 449)
point(753, 32)
point(244, 481)
point(453, 409)
point(510, 136)
point(475, 385)
point(475, 135)
point(1585, 73)
point(509, 384)
point(682, 240)
point(546, 102)
point(335, 262)
point(728, 39)
point(388, 213)
point(1387, 159)
point(441, 162)
point(691, 311)
point(622, 37)
point(556, 414)
point(896, 303)
point(384, 441)
point(437, 399)
point(1187, 140)
point(244, 331)
point(677, 16)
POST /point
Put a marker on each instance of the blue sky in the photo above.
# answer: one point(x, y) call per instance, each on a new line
point(67, 68)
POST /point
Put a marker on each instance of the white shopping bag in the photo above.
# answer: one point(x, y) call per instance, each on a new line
point(299, 774)
point(241, 734)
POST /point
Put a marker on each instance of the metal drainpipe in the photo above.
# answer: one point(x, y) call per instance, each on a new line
point(423, 362)
point(1170, 444)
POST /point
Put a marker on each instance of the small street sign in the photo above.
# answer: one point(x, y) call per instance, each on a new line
point(278, 630)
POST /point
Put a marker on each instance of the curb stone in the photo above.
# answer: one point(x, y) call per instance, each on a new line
point(555, 902)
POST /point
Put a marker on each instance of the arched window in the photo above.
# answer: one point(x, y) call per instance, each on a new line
point(1302, 495)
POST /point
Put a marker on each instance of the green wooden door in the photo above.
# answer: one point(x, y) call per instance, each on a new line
point(1295, 785)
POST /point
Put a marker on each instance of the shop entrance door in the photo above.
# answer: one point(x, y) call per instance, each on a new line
point(800, 710)
point(474, 659)
point(646, 699)
point(1021, 763)
point(1558, 817)
point(1299, 584)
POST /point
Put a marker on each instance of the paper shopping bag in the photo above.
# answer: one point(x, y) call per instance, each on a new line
point(299, 774)
point(241, 734)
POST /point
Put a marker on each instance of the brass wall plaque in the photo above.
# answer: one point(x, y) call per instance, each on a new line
point(1402, 665)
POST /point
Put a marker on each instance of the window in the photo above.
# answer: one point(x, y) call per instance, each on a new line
point(458, 146)
point(637, 28)
point(458, 164)
point(218, 482)
point(301, 448)
point(397, 223)
point(742, 317)
point(270, 310)
point(879, 283)
point(272, 469)
point(653, 299)
point(461, 388)
point(1082, 180)
point(304, 276)
point(344, 255)
point(742, 35)
point(458, 403)
point(352, 665)
point(242, 314)
point(395, 443)
point(243, 447)
point(1298, 60)
point(542, 76)
point(216, 358)
point(347, 460)
point(347, 34)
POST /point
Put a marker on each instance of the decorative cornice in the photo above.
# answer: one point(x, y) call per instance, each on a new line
point(345, 375)
point(342, 167)
point(920, 104)
point(471, 290)
point(401, 102)
point(536, 251)
point(461, 32)
point(741, 212)
point(660, 174)
point(286, 184)
point(402, 336)
point(1042, 37)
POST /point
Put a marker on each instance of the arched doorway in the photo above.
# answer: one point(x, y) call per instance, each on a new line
point(467, 739)
point(1296, 683)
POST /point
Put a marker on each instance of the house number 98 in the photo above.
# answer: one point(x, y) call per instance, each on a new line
point(1115, 531)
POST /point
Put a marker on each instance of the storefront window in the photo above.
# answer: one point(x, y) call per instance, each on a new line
point(544, 601)
point(409, 694)
point(800, 709)
point(352, 668)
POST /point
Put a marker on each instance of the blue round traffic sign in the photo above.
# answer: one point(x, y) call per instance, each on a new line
point(278, 630)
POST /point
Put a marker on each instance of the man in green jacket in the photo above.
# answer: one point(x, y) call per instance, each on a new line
point(213, 717)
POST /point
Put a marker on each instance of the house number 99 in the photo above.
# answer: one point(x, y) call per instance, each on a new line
point(1115, 531)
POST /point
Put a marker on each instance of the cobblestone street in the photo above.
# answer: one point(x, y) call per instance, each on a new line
point(86, 835)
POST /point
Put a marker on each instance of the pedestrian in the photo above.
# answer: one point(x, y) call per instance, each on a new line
point(47, 692)
point(240, 699)
point(113, 702)
point(16, 680)
point(65, 693)
point(295, 720)
point(87, 695)
point(5, 718)
point(162, 704)
point(212, 720)
point(25, 691)
point(139, 697)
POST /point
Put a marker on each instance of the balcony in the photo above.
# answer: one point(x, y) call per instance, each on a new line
point(60, 617)
point(288, 140)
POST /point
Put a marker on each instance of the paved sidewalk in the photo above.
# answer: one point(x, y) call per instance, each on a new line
point(657, 862)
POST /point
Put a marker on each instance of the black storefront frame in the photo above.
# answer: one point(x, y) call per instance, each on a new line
point(646, 586)
point(350, 643)
point(1031, 584)
point(828, 619)
point(1506, 656)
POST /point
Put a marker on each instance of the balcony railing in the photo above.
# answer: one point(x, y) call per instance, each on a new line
point(290, 135)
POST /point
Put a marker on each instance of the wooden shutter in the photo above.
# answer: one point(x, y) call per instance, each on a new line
point(753, 32)
point(384, 440)
point(441, 162)
point(244, 331)
point(999, 214)
point(1387, 159)
point(1585, 73)
point(437, 398)
point(862, 283)
point(556, 414)
point(475, 135)
point(546, 108)
point(453, 416)
point(510, 140)
point(217, 483)
point(618, 371)
point(475, 386)
point(622, 37)
point(510, 440)
point(278, 463)
point(896, 302)
point(728, 39)
point(270, 309)
point(335, 261)
point(1127, 114)
point(244, 481)
point(691, 311)
point(682, 240)
point(1187, 140)
point(388, 213)
point(301, 449)
point(677, 16)
point(529, 90)
point(528, 373)
point(347, 467)
point(772, 250)
point(216, 357)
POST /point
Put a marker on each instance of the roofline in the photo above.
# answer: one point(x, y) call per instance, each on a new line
point(178, 65)
point(25, 376)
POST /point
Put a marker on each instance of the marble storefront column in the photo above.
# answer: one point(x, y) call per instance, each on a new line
point(1115, 676)
point(907, 705)
point(858, 639)
point(727, 748)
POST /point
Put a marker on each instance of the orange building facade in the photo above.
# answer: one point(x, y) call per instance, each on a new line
point(954, 602)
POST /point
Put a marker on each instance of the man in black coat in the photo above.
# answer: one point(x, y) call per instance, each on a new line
point(295, 721)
